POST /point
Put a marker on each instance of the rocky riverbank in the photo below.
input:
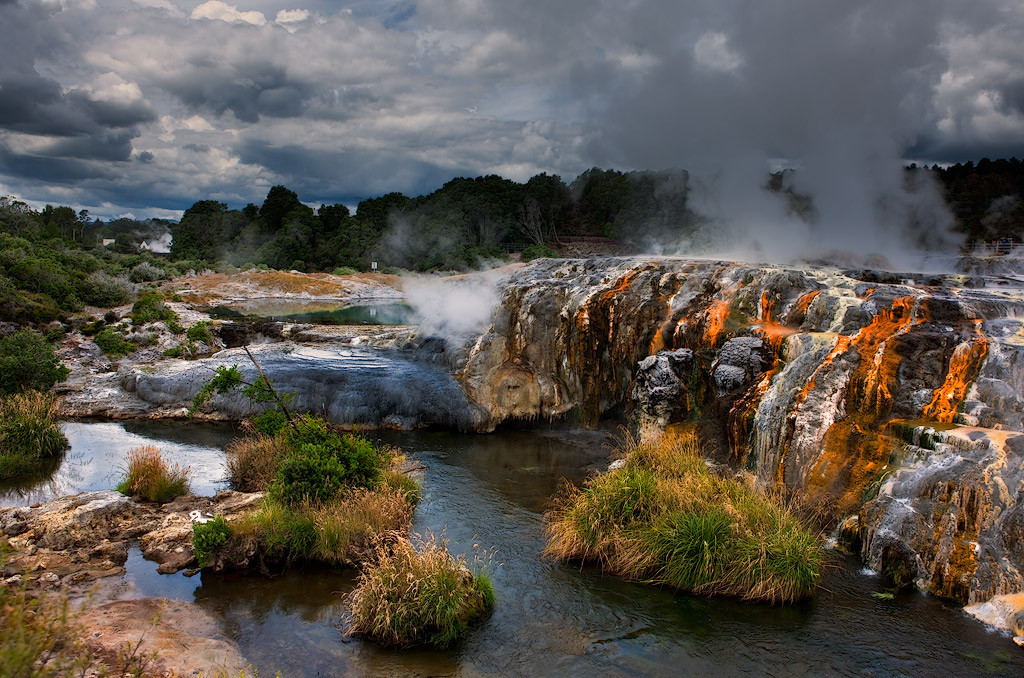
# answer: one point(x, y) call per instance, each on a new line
point(77, 547)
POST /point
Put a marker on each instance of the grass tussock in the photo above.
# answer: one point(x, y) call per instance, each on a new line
point(151, 478)
point(254, 460)
point(329, 495)
point(338, 532)
point(666, 518)
point(30, 435)
point(413, 592)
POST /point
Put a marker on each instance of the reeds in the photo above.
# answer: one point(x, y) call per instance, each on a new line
point(30, 435)
point(149, 477)
point(666, 518)
point(414, 592)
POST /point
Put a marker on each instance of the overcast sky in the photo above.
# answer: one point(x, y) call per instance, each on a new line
point(142, 107)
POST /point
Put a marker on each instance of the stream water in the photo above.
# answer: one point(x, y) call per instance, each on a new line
point(318, 312)
point(487, 494)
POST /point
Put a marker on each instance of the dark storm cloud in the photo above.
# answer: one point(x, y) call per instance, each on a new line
point(334, 176)
point(248, 89)
point(224, 99)
point(57, 170)
point(80, 127)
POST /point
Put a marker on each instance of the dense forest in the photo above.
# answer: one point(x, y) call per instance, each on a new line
point(55, 261)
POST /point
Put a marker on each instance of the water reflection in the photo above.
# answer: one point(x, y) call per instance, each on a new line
point(96, 459)
point(317, 312)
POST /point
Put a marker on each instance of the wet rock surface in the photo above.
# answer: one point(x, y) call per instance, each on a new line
point(68, 545)
point(65, 544)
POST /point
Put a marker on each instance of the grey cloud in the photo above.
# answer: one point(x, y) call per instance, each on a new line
point(112, 113)
point(248, 90)
point(329, 176)
point(51, 169)
point(112, 146)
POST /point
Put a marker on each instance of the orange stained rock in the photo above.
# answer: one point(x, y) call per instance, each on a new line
point(775, 334)
point(767, 309)
point(798, 313)
point(964, 366)
point(852, 457)
point(715, 317)
point(876, 372)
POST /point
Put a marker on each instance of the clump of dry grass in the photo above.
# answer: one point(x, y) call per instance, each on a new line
point(254, 460)
point(149, 477)
point(413, 592)
point(666, 518)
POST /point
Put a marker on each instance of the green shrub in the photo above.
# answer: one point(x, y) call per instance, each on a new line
point(174, 351)
point(322, 463)
point(208, 537)
point(311, 473)
point(417, 594)
point(30, 435)
point(150, 307)
point(149, 477)
point(344, 270)
point(531, 252)
point(27, 361)
point(200, 332)
point(104, 290)
point(113, 343)
point(269, 422)
point(146, 272)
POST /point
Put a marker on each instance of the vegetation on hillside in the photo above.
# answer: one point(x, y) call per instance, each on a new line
point(664, 517)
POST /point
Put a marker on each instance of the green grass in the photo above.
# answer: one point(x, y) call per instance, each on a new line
point(332, 533)
point(149, 477)
point(31, 440)
point(413, 592)
point(665, 518)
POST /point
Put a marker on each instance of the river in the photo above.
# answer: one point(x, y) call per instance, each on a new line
point(486, 493)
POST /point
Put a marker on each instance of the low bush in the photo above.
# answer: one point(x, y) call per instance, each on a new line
point(104, 290)
point(269, 422)
point(149, 477)
point(150, 307)
point(208, 537)
point(27, 361)
point(321, 463)
point(531, 252)
point(665, 518)
point(344, 270)
point(200, 332)
point(113, 344)
point(417, 594)
point(30, 435)
point(146, 272)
